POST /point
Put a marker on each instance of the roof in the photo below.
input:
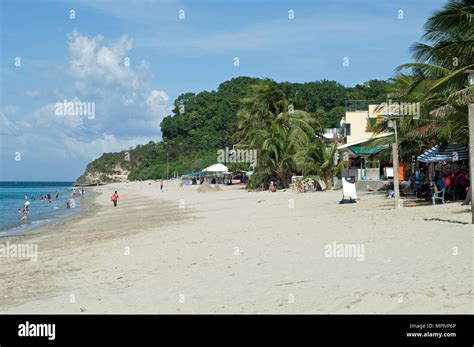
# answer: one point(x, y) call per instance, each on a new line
point(445, 152)
point(366, 149)
point(216, 168)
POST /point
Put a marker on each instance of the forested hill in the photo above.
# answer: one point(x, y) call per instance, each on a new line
point(204, 122)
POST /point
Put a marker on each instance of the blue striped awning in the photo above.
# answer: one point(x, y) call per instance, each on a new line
point(445, 152)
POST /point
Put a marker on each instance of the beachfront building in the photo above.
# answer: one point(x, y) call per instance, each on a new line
point(359, 146)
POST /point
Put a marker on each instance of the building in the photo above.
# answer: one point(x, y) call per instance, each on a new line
point(359, 147)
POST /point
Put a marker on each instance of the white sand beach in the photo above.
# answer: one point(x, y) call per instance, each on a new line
point(233, 251)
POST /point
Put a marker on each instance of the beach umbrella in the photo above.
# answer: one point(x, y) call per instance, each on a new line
point(445, 152)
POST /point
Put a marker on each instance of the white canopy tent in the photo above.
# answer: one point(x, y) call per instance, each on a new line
point(217, 168)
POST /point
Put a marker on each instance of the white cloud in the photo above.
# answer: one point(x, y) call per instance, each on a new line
point(128, 107)
point(126, 102)
point(11, 109)
point(157, 101)
point(103, 144)
point(46, 117)
point(93, 61)
point(32, 93)
point(7, 127)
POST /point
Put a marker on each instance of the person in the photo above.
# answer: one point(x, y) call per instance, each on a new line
point(462, 183)
point(25, 213)
point(19, 212)
point(57, 195)
point(419, 178)
point(467, 201)
point(82, 191)
point(272, 187)
point(115, 198)
point(161, 185)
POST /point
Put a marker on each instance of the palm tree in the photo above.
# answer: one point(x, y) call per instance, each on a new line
point(268, 122)
point(437, 77)
point(318, 159)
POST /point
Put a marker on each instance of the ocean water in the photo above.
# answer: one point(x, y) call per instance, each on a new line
point(12, 197)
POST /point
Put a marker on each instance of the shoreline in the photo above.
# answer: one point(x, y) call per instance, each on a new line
point(83, 210)
point(182, 251)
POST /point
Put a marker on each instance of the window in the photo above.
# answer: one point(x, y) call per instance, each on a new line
point(347, 129)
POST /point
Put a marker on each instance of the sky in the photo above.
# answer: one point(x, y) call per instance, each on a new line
point(127, 61)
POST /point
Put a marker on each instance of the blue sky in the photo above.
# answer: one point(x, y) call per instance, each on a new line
point(83, 60)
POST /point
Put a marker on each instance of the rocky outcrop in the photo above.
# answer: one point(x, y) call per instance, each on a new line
point(93, 177)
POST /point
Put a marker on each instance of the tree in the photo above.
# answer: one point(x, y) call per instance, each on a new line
point(437, 77)
point(318, 159)
point(269, 123)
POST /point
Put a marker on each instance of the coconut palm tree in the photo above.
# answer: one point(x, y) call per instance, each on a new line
point(318, 159)
point(437, 81)
point(437, 76)
point(268, 122)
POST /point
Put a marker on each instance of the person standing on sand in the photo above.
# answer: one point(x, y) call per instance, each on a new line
point(161, 185)
point(467, 201)
point(115, 198)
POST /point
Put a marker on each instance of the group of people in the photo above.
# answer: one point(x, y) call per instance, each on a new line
point(455, 183)
point(79, 192)
point(23, 214)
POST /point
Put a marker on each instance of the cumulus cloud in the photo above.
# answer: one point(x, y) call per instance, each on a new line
point(126, 102)
point(128, 106)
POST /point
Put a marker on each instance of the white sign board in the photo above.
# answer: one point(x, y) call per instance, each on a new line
point(349, 189)
point(388, 172)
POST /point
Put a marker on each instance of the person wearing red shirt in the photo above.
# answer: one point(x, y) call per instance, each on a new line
point(115, 198)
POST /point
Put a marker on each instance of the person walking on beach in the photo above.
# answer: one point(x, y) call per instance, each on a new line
point(115, 198)
point(161, 185)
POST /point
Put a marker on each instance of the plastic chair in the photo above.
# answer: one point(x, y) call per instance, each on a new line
point(438, 194)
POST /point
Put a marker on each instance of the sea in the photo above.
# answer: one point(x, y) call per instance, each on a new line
point(40, 212)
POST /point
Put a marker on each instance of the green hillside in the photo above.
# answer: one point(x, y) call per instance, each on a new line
point(204, 122)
